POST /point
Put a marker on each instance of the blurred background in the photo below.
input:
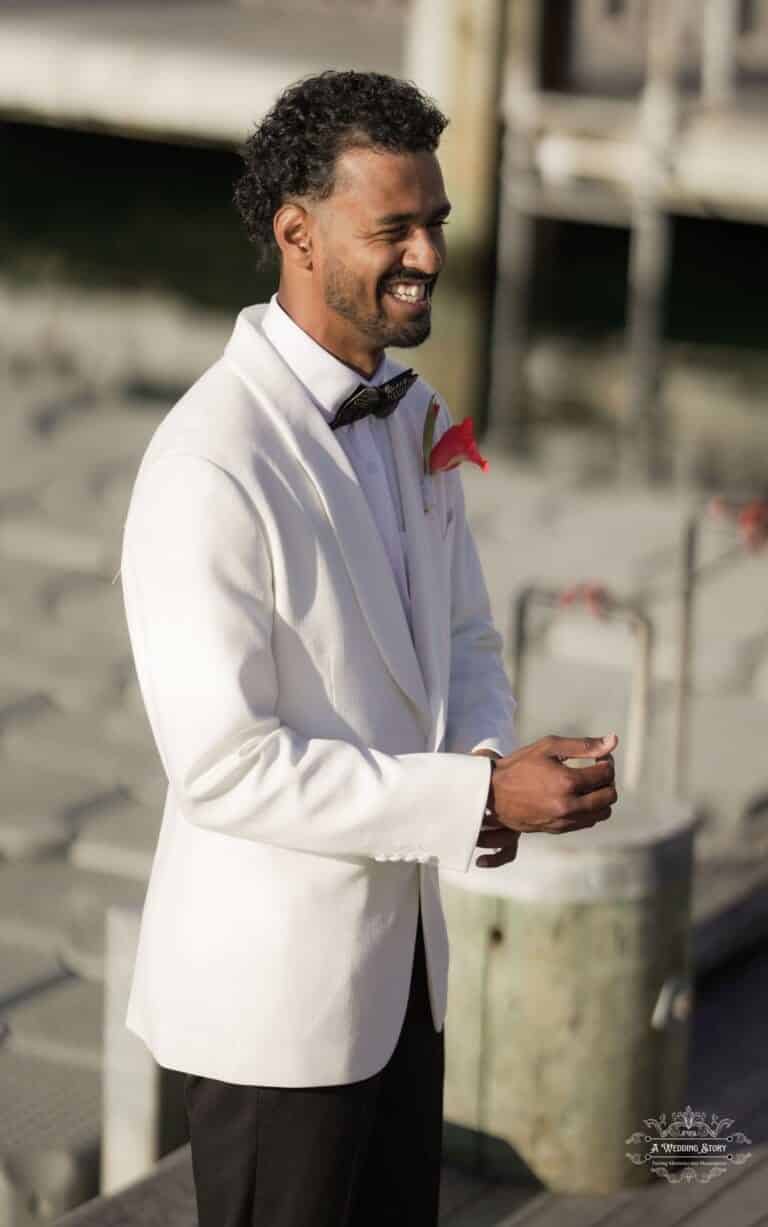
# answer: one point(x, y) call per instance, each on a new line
point(602, 320)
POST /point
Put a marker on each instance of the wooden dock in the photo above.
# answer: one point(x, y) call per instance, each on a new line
point(186, 70)
point(728, 1076)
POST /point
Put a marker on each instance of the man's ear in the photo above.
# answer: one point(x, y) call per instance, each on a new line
point(292, 229)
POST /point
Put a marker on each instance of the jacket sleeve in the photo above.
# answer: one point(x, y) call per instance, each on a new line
point(198, 592)
point(481, 706)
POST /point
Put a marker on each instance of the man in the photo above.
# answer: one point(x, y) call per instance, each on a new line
point(317, 657)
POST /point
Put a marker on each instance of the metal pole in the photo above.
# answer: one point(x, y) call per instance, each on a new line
point(639, 699)
point(519, 638)
point(685, 657)
point(641, 668)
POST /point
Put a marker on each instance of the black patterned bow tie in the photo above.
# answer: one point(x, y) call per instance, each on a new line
point(380, 401)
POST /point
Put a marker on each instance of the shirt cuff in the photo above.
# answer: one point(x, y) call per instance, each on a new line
point(491, 743)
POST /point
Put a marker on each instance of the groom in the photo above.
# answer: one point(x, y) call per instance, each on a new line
point(324, 683)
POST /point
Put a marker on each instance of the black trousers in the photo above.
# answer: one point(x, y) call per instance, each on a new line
point(364, 1154)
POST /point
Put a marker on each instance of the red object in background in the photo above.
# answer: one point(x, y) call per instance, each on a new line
point(453, 447)
point(751, 519)
point(753, 523)
point(595, 596)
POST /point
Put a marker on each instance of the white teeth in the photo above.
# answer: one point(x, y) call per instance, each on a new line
point(408, 292)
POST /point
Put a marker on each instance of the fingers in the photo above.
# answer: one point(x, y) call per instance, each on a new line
point(494, 860)
point(592, 802)
point(497, 837)
point(586, 779)
point(583, 824)
point(579, 747)
point(589, 812)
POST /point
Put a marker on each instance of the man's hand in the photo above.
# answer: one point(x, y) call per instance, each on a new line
point(533, 791)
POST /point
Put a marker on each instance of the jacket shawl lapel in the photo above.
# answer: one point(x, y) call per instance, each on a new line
point(428, 571)
point(281, 396)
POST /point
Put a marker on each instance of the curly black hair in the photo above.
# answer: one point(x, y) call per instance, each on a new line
point(293, 151)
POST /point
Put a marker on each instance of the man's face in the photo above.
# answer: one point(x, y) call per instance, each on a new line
point(379, 246)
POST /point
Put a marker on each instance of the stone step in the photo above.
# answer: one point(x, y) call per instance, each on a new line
point(87, 604)
point(73, 742)
point(126, 721)
point(24, 972)
point(76, 543)
point(25, 592)
point(118, 837)
point(19, 701)
point(57, 909)
point(41, 810)
point(78, 671)
point(50, 1142)
point(63, 1023)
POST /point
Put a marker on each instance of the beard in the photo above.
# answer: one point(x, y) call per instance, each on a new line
point(346, 294)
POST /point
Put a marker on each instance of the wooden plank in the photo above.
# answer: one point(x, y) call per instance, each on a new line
point(571, 1211)
point(700, 1205)
point(492, 1208)
point(667, 1205)
point(731, 1076)
point(741, 1204)
point(457, 1190)
point(184, 70)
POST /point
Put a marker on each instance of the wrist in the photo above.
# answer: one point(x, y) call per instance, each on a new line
point(490, 804)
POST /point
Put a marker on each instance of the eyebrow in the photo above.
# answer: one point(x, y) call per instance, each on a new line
point(397, 219)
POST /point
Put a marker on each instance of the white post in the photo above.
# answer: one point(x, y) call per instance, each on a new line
point(516, 230)
point(454, 51)
point(649, 256)
point(141, 1103)
point(718, 38)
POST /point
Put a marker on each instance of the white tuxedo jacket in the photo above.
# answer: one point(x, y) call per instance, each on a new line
point(299, 723)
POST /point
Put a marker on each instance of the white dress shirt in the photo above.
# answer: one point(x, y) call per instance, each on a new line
point(366, 442)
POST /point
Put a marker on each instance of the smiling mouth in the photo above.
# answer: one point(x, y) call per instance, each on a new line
point(414, 292)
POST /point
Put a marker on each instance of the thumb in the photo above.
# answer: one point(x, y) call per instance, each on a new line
point(581, 747)
point(609, 744)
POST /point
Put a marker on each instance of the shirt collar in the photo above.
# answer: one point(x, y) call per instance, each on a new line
point(326, 378)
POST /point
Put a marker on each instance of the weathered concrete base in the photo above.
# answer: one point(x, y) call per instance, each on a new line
point(572, 968)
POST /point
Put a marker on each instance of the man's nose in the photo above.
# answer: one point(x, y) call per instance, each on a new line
point(425, 252)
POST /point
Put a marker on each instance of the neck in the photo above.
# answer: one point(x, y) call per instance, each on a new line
point(332, 332)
